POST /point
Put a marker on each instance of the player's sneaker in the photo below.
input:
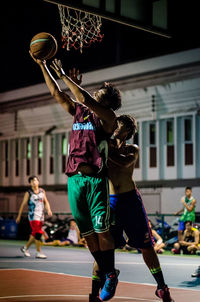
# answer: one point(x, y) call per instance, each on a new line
point(196, 274)
point(109, 287)
point(40, 255)
point(164, 294)
point(25, 251)
point(93, 298)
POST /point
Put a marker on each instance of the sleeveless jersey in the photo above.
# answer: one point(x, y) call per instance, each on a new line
point(188, 216)
point(72, 235)
point(36, 205)
point(190, 237)
point(88, 141)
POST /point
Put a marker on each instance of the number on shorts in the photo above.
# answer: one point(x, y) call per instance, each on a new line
point(99, 220)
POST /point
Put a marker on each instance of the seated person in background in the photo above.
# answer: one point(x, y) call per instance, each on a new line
point(190, 242)
point(73, 238)
point(159, 244)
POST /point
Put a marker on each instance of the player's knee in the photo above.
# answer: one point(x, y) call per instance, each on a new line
point(95, 269)
point(38, 236)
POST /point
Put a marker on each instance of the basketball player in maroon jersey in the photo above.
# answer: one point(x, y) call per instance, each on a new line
point(94, 121)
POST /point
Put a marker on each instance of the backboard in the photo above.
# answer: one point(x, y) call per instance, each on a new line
point(146, 15)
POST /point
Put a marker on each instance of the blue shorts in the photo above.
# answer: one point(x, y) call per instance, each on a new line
point(130, 217)
point(181, 226)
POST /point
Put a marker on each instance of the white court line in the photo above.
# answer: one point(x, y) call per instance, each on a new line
point(91, 262)
point(70, 275)
point(72, 296)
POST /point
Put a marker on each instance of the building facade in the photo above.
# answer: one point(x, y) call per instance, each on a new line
point(162, 93)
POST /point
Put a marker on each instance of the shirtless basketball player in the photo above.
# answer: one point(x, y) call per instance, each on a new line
point(127, 205)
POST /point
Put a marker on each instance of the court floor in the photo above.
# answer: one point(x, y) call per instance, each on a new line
point(65, 275)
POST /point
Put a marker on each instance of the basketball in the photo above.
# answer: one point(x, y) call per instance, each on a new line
point(43, 46)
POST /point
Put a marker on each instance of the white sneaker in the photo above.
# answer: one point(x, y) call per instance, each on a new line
point(25, 251)
point(40, 255)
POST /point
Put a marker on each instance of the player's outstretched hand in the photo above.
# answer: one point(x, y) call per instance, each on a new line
point(57, 67)
point(75, 76)
point(38, 61)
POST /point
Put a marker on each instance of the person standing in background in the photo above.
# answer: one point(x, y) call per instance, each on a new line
point(188, 209)
point(37, 202)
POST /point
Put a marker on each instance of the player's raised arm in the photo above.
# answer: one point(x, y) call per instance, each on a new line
point(105, 101)
point(61, 97)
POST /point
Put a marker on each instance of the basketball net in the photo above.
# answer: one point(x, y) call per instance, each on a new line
point(79, 29)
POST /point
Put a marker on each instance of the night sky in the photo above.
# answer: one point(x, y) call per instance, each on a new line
point(20, 21)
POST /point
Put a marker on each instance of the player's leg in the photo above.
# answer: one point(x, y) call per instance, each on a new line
point(136, 226)
point(98, 278)
point(79, 193)
point(25, 248)
point(181, 228)
point(37, 232)
point(30, 241)
point(51, 243)
point(151, 260)
point(100, 214)
point(97, 283)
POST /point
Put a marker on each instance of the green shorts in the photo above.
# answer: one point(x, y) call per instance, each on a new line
point(89, 203)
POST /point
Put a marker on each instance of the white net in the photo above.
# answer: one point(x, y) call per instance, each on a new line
point(79, 29)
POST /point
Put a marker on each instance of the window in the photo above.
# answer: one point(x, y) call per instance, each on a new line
point(188, 141)
point(170, 143)
point(64, 152)
point(136, 141)
point(16, 158)
point(152, 146)
point(39, 155)
point(188, 129)
point(6, 158)
point(28, 156)
point(51, 166)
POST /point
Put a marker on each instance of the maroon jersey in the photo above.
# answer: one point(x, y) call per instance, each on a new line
point(88, 141)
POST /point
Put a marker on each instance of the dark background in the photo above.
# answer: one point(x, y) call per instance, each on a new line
point(20, 21)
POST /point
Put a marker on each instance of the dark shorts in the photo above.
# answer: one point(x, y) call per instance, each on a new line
point(130, 217)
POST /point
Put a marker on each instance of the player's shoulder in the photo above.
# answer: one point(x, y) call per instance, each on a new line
point(28, 192)
point(195, 230)
point(133, 148)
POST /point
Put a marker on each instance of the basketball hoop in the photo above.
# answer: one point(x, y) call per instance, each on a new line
point(79, 29)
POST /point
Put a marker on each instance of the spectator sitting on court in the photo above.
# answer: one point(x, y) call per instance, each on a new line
point(190, 242)
point(159, 244)
point(73, 238)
